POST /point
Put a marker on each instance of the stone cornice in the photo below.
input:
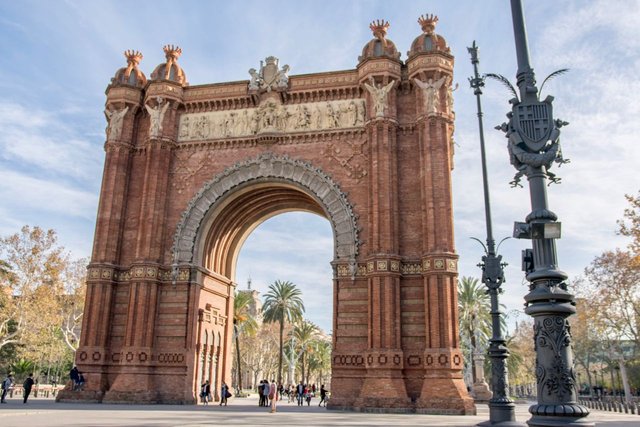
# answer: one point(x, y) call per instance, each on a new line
point(432, 264)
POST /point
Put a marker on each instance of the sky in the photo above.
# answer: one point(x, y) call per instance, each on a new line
point(58, 57)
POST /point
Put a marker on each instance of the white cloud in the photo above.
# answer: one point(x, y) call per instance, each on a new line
point(45, 142)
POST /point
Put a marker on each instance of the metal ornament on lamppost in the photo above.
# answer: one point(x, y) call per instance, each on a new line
point(501, 408)
point(534, 145)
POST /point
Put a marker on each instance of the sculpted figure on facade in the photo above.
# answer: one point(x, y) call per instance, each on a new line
point(254, 125)
point(185, 128)
point(333, 117)
point(270, 76)
point(200, 127)
point(304, 117)
point(229, 124)
point(450, 90)
point(431, 94)
point(242, 124)
point(116, 118)
point(156, 115)
point(361, 114)
point(351, 114)
point(283, 76)
point(317, 118)
point(379, 94)
point(256, 80)
point(272, 116)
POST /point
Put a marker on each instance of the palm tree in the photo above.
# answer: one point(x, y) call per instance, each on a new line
point(474, 309)
point(304, 333)
point(320, 359)
point(283, 303)
point(243, 322)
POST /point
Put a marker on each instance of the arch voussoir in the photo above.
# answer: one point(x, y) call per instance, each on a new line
point(270, 167)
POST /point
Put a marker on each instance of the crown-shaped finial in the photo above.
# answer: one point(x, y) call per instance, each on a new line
point(379, 28)
point(172, 52)
point(428, 23)
point(133, 56)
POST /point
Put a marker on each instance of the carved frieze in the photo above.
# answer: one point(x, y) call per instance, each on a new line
point(271, 116)
point(405, 268)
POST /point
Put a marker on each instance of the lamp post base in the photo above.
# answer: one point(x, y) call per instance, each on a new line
point(502, 414)
point(546, 421)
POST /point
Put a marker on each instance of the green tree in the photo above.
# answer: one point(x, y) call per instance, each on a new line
point(521, 364)
point(283, 303)
point(243, 324)
point(474, 311)
point(31, 280)
point(304, 334)
point(614, 287)
point(320, 359)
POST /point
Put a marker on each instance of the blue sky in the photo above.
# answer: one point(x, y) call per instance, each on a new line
point(58, 57)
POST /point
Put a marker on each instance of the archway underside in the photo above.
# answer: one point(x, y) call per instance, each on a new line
point(241, 215)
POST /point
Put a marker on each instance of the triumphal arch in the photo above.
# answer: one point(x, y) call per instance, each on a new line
point(190, 171)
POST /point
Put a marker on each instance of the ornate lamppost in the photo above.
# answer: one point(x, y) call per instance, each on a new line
point(501, 408)
point(533, 147)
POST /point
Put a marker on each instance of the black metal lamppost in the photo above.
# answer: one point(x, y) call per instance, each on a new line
point(533, 147)
point(501, 407)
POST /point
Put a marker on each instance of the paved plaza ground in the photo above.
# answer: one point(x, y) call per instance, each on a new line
point(241, 412)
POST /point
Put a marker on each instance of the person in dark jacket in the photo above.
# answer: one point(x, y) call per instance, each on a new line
point(74, 375)
point(7, 384)
point(28, 383)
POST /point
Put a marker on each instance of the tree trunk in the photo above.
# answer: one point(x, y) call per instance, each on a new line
point(281, 350)
point(472, 335)
point(235, 327)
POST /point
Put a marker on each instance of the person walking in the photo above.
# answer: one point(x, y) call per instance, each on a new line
point(273, 395)
point(28, 383)
point(224, 393)
point(300, 393)
point(307, 395)
point(205, 392)
point(74, 375)
point(7, 384)
point(266, 389)
point(261, 394)
point(323, 396)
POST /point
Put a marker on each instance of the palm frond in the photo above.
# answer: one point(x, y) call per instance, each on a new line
point(552, 75)
point(505, 81)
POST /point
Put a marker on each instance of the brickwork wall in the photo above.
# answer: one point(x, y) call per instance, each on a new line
point(154, 327)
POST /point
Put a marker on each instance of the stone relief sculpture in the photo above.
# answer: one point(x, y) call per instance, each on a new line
point(271, 116)
point(184, 129)
point(156, 114)
point(379, 94)
point(115, 118)
point(450, 90)
point(431, 94)
point(270, 76)
point(256, 80)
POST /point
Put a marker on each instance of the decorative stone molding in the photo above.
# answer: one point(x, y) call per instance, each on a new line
point(137, 273)
point(443, 359)
point(430, 61)
point(272, 117)
point(264, 168)
point(350, 155)
point(406, 268)
point(348, 360)
point(438, 264)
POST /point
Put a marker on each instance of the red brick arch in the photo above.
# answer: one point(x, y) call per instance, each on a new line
point(260, 188)
point(191, 170)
